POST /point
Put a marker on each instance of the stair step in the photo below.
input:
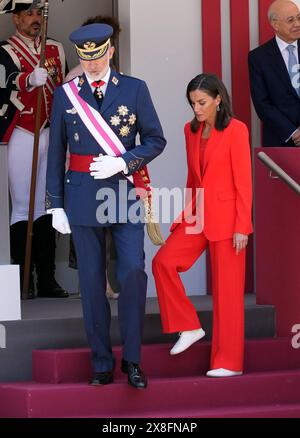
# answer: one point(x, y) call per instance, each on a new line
point(261, 411)
point(172, 396)
point(74, 365)
point(57, 323)
point(268, 411)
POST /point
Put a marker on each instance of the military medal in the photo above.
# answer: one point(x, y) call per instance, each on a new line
point(125, 119)
point(99, 93)
point(115, 120)
point(124, 131)
point(132, 119)
point(123, 110)
point(72, 111)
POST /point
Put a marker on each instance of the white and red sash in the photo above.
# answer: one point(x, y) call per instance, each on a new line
point(94, 122)
point(30, 57)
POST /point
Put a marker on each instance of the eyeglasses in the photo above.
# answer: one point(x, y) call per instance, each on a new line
point(290, 20)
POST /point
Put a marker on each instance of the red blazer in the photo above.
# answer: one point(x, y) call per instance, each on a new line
point(226, 179)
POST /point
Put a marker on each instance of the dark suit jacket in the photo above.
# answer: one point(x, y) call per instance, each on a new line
point(276, 101)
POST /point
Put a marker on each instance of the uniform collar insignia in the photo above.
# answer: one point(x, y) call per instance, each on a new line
point(81, 81)
point(115, 80)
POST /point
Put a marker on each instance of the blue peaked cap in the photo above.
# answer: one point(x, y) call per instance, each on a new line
point(92, 41)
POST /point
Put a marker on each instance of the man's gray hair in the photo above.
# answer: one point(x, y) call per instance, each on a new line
point(272, 16)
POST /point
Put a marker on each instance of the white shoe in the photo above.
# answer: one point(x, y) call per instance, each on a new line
point(186, 339)
point(111, 295)
point(222, 372)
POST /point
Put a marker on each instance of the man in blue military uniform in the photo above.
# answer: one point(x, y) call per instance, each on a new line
point(99, 115)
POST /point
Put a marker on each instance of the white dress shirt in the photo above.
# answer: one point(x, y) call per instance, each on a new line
point(284, 52)
point(104, 79)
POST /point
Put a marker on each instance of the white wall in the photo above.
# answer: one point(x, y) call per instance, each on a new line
point(10, 306)
point(161, 43)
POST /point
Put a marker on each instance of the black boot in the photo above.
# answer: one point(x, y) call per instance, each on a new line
point(44, 259)
point(18, 236)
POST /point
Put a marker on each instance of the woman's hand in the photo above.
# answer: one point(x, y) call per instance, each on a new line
point(240, 241)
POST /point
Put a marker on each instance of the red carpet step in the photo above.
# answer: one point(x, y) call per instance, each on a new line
point(183, 396)
point(177, 388)
point(74, 365)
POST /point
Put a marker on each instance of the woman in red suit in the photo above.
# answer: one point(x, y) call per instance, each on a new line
point(218, 158)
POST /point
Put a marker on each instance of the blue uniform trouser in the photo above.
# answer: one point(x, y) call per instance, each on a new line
point(90, 250)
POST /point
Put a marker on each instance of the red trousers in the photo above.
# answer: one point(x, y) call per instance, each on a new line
point(228, 282)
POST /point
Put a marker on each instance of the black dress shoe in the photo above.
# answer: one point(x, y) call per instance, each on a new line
point(31, 294)
point(51, 290)
point(136, 377)
point(104, 378)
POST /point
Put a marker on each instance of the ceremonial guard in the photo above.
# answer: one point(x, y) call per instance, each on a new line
point(99, 115)
point(19, 57)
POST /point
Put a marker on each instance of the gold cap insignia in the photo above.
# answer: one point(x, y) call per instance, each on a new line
point(89, 46)
point(90, 51)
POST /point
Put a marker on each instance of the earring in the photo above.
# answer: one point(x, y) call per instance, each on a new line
point(218, 108)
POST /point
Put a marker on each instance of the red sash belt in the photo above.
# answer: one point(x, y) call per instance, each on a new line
point(141, 180)
point(81, 163)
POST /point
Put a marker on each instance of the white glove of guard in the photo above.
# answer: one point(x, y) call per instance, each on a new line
point(60, 221)
point(38, 77)
point(105, 166)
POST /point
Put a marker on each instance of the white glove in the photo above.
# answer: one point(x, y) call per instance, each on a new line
point(38, 77)
point(106, 166)
point(60, 221)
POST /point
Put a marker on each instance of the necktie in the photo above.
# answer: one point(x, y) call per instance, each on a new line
point(293, 72)
point(98, 94)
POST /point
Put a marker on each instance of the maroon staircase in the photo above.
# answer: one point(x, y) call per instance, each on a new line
point(177, 388)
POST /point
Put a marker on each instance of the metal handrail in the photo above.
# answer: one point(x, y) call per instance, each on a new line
point(279, 172)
